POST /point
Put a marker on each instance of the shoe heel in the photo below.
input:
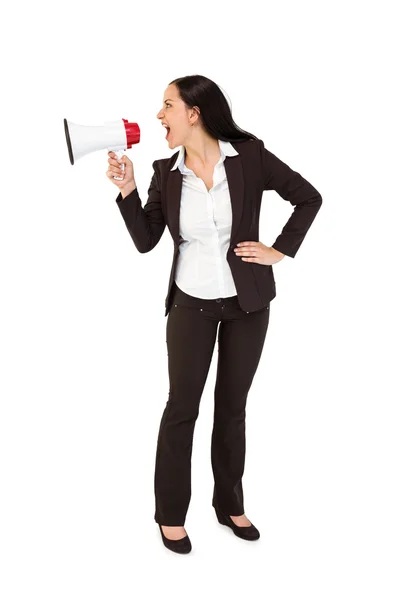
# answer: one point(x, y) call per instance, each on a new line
point(220, 517)
point(246, 533)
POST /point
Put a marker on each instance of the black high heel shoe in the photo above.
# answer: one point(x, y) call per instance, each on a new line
point(250, 532)
point(182, 546)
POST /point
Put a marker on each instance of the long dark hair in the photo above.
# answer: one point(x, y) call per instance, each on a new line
point(215, 112)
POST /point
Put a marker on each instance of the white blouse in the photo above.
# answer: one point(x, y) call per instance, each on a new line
point(205, 226)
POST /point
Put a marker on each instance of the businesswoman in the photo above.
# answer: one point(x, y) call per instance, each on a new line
point(221, 283)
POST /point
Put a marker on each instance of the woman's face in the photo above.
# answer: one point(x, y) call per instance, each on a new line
point(177, 117)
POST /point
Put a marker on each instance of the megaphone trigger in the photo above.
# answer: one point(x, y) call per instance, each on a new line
point(119, 154)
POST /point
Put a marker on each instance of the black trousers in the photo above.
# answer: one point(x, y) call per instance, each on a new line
point(191, 329)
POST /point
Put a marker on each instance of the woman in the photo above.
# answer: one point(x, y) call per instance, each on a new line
point(209, 192)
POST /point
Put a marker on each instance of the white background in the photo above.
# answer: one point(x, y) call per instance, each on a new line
point(84, 376)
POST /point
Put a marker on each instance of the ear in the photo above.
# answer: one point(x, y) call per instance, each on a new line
point(195, 110)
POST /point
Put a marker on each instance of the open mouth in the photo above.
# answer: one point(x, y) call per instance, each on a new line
point(168, 130)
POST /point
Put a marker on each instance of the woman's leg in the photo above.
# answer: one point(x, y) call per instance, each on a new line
point(240, 343)
point(191, 335)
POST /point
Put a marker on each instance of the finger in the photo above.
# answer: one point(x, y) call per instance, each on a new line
point(112, 174)
point(248, 250)
point(112, 161)
point(119, 175)
point(116, 169)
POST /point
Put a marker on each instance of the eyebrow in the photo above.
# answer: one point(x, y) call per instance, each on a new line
point(169, 100)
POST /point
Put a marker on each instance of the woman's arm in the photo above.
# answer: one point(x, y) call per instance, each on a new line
point(291, 186)
point(145, 224)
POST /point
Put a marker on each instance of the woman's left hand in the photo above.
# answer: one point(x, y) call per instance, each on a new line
point(258, 253)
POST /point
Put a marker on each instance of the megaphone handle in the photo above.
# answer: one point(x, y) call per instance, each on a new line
point(119, 153)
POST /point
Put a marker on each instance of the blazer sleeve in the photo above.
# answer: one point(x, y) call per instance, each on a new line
point(145, 224)
point(291, 186)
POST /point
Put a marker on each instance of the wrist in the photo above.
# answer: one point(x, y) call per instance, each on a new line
point(277, 253)
point(128, 189)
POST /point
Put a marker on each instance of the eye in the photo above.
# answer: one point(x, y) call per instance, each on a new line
point(167, 104)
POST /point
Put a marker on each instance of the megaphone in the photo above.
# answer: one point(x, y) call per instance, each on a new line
point(116, 136)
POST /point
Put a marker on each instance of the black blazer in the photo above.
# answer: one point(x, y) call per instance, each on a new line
point(252, 171)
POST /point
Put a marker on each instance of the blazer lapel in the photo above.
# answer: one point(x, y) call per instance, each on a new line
point(234, 175)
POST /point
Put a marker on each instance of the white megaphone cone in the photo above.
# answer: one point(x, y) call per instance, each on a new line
point(114, 136)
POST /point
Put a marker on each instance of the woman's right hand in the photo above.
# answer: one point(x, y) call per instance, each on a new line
point(114, 169)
